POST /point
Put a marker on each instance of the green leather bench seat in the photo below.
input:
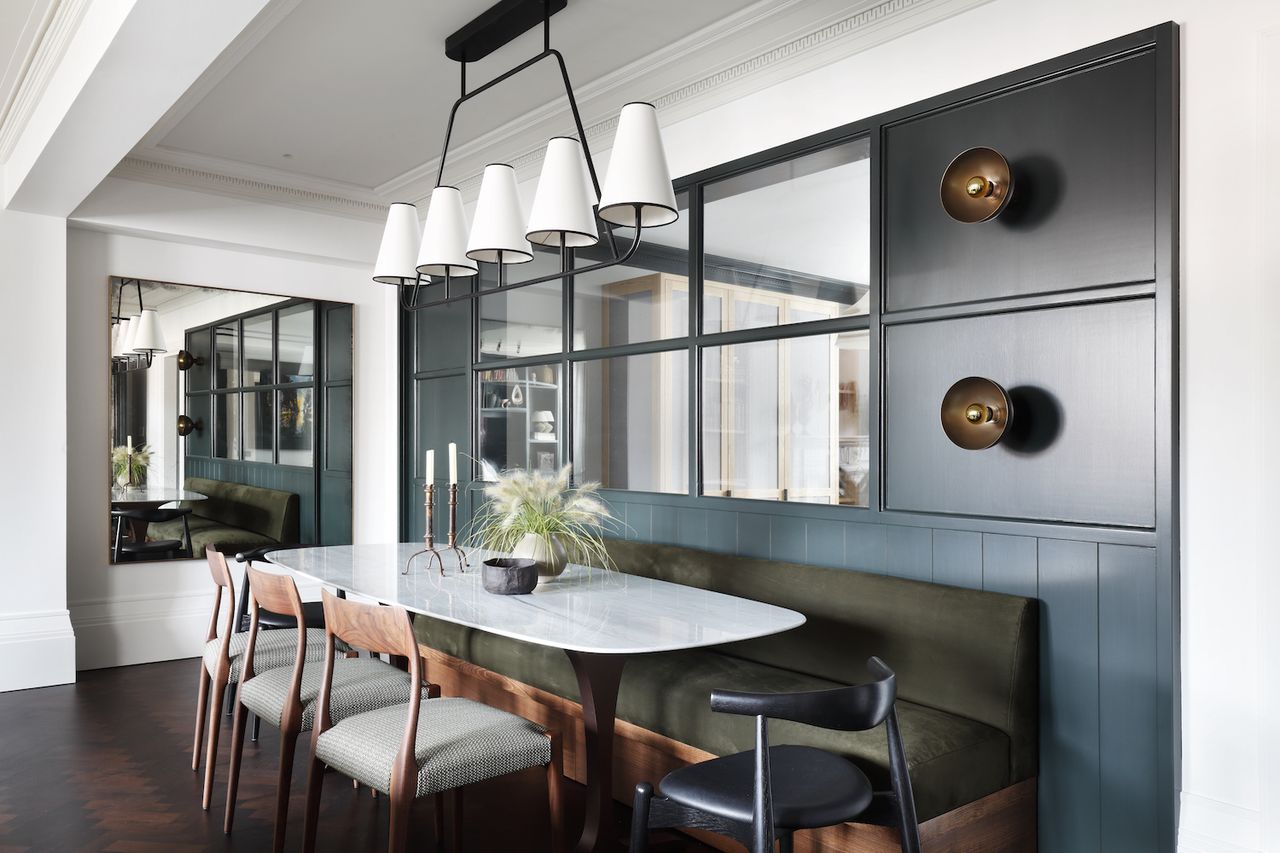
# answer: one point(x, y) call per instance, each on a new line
point(950, 647)
point(235, 517)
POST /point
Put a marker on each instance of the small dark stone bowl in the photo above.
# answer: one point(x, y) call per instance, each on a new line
point(509, 575)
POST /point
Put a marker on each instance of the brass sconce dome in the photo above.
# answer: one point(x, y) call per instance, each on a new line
point(976, 186)
point(976, 412)
point(186, 426)
point(187, 360)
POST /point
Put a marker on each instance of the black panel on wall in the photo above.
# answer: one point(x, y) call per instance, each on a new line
point(1081, 446)
point(1082, 212)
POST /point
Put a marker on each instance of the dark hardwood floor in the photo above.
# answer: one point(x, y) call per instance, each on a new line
point(105, 765)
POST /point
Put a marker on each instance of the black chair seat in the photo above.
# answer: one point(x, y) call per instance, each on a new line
point(159, 546)
point(811, 787)
point(312, 614)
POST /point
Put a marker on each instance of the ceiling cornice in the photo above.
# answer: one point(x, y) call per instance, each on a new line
point(59, 26)
point(855, 29)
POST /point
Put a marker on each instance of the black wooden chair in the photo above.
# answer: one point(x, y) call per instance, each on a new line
point(770, 793)
point(158, 549)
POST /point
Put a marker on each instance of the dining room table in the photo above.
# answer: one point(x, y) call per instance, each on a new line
point(149, 497)
point(599, 617)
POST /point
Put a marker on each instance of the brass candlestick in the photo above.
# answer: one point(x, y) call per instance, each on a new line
point(429, 537)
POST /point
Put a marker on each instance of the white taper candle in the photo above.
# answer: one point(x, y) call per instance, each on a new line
point(453, 463)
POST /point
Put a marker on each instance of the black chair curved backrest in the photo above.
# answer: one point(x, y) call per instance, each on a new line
point(847, 709)
point(148, 515)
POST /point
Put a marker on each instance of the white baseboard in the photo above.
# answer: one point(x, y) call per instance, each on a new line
point(1209, 826)
point(140, 629)
point(36, 650)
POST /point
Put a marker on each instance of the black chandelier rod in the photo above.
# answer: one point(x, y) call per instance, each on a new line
point(125, 282)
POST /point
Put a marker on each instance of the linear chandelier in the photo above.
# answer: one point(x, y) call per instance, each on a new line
point(135, 340)
point(568, 203)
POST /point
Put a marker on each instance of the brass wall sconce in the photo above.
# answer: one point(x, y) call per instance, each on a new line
point(976, 186)
point(976, 412)
point(188, 360)
point(186, 426)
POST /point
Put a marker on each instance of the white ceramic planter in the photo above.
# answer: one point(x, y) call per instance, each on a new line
point(547, 552)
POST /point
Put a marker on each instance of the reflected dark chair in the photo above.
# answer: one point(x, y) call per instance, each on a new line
point(159, 549)
point(772, 792)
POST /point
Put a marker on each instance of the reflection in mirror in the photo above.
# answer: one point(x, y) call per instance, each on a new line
point(220, 433)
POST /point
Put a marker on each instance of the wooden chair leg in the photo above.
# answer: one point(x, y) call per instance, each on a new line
point(257, 727)
point(456, 843)
point(401, 803)
point(202, 708)
point(284, 781)
point(233, 773)
point(555, 792)
point(640, 818)
point(215, 724)
point(315, 782)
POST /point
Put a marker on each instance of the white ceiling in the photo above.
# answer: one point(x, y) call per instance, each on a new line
point(359, 93)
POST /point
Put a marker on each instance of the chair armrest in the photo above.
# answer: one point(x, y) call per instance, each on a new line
point(754, 704)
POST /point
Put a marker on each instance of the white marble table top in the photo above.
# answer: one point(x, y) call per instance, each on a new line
point(153, 495)
point(585, 609)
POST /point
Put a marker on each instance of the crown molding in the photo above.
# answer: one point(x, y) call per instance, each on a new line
point(62, 20)
point(796, 48)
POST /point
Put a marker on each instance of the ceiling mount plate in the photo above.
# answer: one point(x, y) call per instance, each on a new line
point(498, 25)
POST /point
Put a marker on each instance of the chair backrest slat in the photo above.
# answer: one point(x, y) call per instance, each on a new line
point(275, 592)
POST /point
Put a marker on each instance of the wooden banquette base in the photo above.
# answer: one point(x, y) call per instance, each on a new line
point(1004, 822)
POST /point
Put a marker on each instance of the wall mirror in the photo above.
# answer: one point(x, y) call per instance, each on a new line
point(231, 420)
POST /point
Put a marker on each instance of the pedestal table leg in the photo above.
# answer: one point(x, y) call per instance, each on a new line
point(598, 679)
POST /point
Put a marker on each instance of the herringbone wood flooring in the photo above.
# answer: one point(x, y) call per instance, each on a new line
point(105, 765)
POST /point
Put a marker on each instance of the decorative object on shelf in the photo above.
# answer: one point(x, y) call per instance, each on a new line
point(186, 426)
point(517, 395)
point(546, 462)
point(543, 423)
point(509, 575)
point(129, 464)
point(542, 518)
point(976, 186)
point(546, 375)
point(976, 413)
point(135, 340)
point(188, 360)
point(637, 191)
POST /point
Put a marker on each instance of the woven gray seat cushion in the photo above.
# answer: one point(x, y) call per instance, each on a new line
point(359, 685)
point(459, 742)
point(275, 648)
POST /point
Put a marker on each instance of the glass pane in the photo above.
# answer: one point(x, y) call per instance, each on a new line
point(297, 426)
point(226, 426)
point(787, 420)
point(790, 242)
point(522, 322)
point(257, 426)
point(645, 299)
point(257, 350)
point(520, 418)
point(632, 422)
point(197, 375)
point(297, 344)
point(545, 262)
point(226, 347)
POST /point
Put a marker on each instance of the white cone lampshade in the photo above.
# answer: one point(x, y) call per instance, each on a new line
point(563, 207)
point(638, 173)
point(497, 234)
point(398, 254)
point(119, 333)
point(147, 337)
point(444, 237)
point(124, 340)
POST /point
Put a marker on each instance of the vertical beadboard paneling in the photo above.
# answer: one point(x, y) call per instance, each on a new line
point(957, 558)
point(722, 531)
point(864, 547)
point(664, 524)
point(639, 522)
point(824, 542)
point(753, 534)
point(1070, 810)
point(908, 552)
point(1009, 564)
point(1127, 698)
point(691, 528)
point(788, 539)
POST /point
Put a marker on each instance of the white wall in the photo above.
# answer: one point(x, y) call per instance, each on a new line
point(36, 643)
point(135, 613)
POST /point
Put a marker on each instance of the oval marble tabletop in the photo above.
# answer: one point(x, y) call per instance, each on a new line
point(153, 495)
point(585, 609)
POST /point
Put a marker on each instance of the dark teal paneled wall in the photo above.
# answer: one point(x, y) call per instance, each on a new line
point(301, 481)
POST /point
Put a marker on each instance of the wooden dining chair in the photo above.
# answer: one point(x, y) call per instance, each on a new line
point(770, 793)
point(286, 697)
point(423, 748)
point(223, 659)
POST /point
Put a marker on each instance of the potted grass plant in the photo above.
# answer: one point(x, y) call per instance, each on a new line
point(543, 518)
point(130, 469)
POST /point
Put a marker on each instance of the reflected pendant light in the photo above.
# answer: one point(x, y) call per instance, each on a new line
point(638, 192)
